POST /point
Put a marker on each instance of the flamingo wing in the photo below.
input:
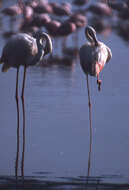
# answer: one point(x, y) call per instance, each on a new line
point(87, 59)
point(102, 55)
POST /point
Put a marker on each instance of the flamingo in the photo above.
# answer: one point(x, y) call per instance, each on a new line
point(52, 27)
point(23, 49)
point(63, 9)
point(94, 55)
point(100, 9)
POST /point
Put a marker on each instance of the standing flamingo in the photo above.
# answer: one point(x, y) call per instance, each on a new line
point(23, 49)
point(94, 55)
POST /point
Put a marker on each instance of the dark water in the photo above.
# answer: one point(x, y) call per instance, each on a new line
point(57, 152)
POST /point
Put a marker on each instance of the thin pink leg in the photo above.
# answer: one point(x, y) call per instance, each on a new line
point(90, 119)
point(23, 84)
point(18, 131)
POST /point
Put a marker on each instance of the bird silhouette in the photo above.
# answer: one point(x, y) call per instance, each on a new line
point(94, 55)
point(23, 49)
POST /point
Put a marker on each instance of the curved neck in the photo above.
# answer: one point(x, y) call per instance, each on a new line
point(39, 54)
point(48, 46)
point(42, 51)
point(92, 39)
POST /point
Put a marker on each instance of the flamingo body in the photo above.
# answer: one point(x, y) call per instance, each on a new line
point(93, 59)
point(24, 46)
point(23, 49)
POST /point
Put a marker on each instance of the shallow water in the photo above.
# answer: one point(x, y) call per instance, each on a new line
point(57, 135)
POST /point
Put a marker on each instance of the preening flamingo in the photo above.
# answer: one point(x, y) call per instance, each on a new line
point(23, 49)
point(94, 55)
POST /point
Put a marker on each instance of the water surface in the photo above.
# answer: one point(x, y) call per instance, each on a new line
point(57, 135)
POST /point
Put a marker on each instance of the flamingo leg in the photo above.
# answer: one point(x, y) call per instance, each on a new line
point(17, 103)
point(99, 82)
point(23, 109)
point(23, 141)
point(16, 93)
point(89, 101)
point(90, 119)
point(23, 84)
point(89, 156)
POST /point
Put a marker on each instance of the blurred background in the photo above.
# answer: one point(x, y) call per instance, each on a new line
point(56, 144)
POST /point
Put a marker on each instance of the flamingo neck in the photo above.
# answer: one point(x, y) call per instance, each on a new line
point(92, 39)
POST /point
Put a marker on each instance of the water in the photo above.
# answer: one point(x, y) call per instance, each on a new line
point(57, 135)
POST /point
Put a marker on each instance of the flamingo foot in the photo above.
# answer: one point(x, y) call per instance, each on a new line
point(99, 84)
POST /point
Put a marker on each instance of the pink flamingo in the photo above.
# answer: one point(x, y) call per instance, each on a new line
point(94, 55)
point(52, 27)
point(63, 9)
point(101, 9)
point(78, 19)
point(43, 7)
